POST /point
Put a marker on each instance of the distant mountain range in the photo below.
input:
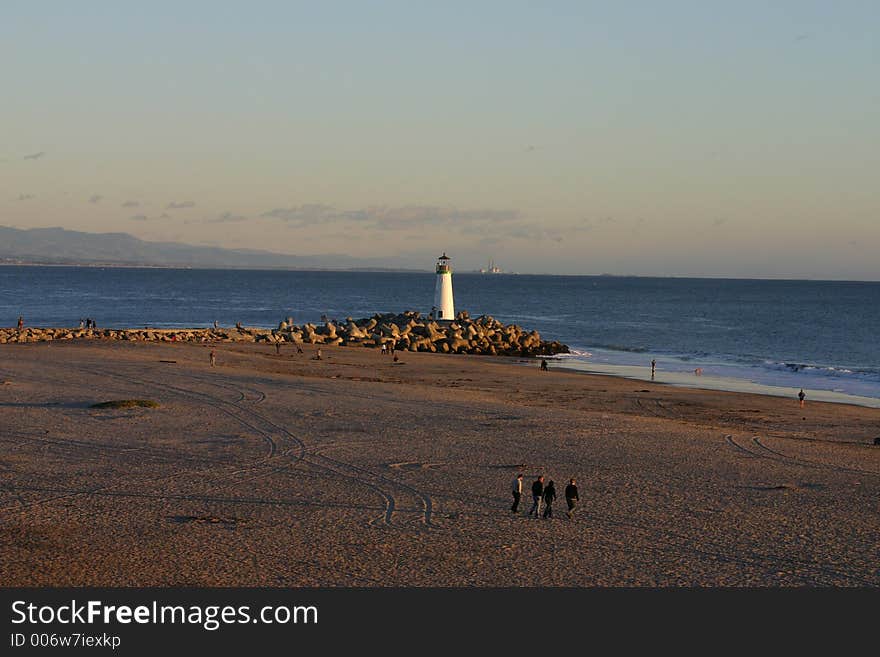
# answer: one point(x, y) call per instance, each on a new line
point(59, 246)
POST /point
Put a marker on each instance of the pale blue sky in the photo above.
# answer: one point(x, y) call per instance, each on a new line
point(565, 137)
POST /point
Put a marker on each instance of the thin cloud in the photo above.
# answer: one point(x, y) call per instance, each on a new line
point(411, 217)
point(226, 218)
point(34, 156)
point(720, 221)
point(305, 215)
point(585, 224)
point(180, 206)
point(131, 204)
point(139, 217)
point(24, 197)
point(95, 198)
point(484, 226)
point(425, 216)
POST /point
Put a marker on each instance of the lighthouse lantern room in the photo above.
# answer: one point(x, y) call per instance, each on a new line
point(444, 306)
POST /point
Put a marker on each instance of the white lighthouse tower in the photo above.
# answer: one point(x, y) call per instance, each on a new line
point(444, 306)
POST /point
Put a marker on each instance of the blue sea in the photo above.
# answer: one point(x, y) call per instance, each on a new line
point(819, 335)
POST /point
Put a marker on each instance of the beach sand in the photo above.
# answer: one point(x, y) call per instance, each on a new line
point(283, 470)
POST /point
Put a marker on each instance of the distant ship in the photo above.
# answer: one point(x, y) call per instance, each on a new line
point(492, 269)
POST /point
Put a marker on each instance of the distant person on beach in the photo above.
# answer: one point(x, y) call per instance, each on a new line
point(544, 367)
point(517, 493)
point(82, 322)
point(391, 346)
point(213, 357)
point(384, 348)
point(549, 498)
point(801, 397)
point(318, 354)
point(537, 496)
point(278, 348)
point(216, 325)
point(571, 497)
point(653, 368)
point(20, 322)
point(698, 371)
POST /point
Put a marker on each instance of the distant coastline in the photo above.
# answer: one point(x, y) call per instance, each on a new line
point(7, 262)
point(135, 265)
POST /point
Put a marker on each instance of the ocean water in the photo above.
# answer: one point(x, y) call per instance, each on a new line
point(820, 335)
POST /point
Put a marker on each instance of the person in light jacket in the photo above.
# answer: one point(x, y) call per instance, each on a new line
point(517, 493)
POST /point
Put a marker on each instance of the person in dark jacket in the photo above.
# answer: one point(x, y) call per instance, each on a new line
point(571, 497)
point(549, 496)
point(537, 496)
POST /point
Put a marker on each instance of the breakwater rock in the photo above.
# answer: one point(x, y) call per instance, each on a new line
point(406, 331)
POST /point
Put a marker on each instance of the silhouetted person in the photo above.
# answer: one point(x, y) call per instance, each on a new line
point(318, 354)
point(801, 397)
point(213, 357)
point(537, 496)
point(278, 348)
point(517, 492)
point(20, 322)
point(544, 365)
point(571, 497)
point(653, 368)
point(549, 497)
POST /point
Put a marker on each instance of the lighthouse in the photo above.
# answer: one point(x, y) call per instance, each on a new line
point(444, 306)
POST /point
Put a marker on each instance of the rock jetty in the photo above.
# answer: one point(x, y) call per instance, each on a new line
point(406, 331)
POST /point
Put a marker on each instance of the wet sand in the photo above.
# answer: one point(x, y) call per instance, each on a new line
point(353, 470)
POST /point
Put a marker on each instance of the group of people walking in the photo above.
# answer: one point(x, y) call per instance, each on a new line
point(544, 496)
point(88, 323)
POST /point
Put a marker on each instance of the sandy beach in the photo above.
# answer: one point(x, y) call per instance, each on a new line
point(283, 470)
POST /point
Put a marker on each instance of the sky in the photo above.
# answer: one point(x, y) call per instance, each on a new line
point(677, 138)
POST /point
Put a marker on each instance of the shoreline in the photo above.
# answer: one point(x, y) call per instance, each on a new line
point(715, 383)
point(208, 335)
